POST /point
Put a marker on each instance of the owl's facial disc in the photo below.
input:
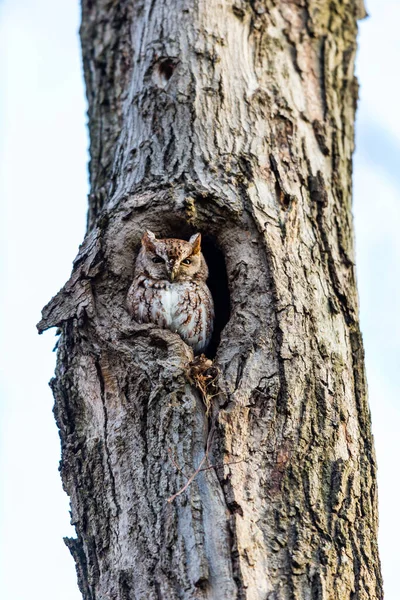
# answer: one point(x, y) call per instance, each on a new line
point(173, 259)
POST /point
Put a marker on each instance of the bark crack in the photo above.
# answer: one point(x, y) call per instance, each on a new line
point(106, 445)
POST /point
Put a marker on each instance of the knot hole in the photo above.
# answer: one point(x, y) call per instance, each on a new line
point(165, 69)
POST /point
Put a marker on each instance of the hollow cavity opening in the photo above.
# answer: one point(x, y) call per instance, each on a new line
point(166, 68)
point(218, 284)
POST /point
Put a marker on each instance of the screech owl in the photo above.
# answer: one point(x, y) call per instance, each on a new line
point(169, 289)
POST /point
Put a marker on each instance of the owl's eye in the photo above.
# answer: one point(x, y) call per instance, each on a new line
point(186, 261)
point(157, 259)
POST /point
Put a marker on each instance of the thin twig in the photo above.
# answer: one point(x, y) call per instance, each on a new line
point(176, 464)
point(221, 465)
point(189, 481)
point(202, 382)
point(197, 471)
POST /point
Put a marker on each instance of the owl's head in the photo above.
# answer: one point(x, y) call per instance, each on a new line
point(169, 258)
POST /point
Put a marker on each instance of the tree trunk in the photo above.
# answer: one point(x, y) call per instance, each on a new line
point(234, 118)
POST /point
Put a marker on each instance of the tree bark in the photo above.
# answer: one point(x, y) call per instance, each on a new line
point(234, 118)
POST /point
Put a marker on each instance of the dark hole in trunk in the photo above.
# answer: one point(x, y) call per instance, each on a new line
point(218, 284)
point(166, 68)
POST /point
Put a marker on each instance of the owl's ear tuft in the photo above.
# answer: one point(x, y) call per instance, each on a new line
point(148, 240)
point(195, 240)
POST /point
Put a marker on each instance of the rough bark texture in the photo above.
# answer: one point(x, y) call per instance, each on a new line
point(233, 118)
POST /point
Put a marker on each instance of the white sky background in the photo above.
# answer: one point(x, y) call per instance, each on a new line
point(43, 187)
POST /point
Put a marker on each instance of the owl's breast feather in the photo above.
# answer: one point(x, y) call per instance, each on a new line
point(169, 299)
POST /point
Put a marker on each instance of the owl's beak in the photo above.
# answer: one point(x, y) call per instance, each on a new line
point(173, 273)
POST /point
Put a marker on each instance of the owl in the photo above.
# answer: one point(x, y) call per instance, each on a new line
point(169, 289)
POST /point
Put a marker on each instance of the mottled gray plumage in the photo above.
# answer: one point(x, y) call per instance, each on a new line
point(170, 290)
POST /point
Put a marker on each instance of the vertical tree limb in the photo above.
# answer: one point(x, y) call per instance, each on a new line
point(235, 119)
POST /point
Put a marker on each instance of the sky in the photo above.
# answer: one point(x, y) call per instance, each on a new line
point(43, 189)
